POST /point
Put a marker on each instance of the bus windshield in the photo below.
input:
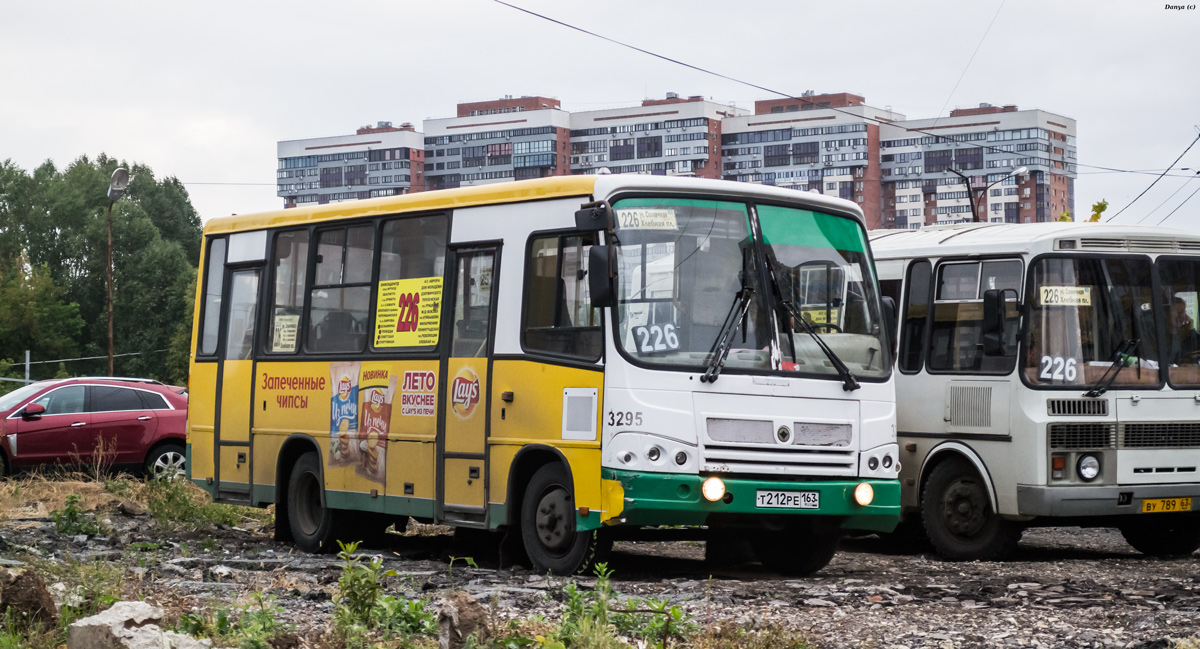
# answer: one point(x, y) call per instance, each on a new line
point(1081, 311)
point(683, 264)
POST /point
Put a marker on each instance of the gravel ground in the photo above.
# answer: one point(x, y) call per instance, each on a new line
point(1065, 587)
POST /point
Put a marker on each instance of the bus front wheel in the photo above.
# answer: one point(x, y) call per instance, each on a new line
point(801, 548)
point(958, 515)
point(1173, 538)
point(312, 523)
point(548, 525)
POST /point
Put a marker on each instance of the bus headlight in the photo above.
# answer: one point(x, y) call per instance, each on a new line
point(1088, 467)
point(713, 489)
point(864, 494)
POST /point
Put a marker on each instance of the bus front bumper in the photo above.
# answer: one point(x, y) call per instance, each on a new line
point(675, 499)
point(1098, 500)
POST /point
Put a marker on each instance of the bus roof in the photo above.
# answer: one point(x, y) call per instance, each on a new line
point(522, 190)
point(1001, 238)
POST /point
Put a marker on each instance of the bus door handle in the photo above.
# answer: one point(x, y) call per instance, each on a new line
point(506, 396)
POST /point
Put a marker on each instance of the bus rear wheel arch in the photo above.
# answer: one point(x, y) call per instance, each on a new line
point(959, 518)
point(547, 524)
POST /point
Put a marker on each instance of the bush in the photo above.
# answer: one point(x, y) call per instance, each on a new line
point(362, 610)
point(251, 627)
point(70, 519)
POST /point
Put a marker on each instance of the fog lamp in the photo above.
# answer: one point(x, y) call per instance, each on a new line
point(1088, 467)
point(713, 489)
point(864, 494)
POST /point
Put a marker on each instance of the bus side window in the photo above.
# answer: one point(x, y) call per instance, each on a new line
point(412, 248)
point(341, 291)
point(559, 317)
point(214, 282)
point(955, 343)
point(291, 271)
point(916, 312)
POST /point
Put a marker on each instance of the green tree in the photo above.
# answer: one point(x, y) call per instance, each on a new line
point(1097, 210)
point(55, 220)
point(1066, 216)
point(34, 317)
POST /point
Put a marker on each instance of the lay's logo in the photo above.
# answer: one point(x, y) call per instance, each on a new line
point(344, 387)
point(464, 393)
point(376, 399)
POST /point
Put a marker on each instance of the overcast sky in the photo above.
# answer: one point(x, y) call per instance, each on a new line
point(203, 91)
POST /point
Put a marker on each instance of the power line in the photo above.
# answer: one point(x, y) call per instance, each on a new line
point(1189, 148)
point(1178, 206)
point(239, 184)
point(1185, 184)
point(968, 66)
point(89, 358)
point(750, 84)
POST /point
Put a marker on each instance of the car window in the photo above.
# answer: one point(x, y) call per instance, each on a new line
point(63, 401)
point(109, 399)
point(153, 401)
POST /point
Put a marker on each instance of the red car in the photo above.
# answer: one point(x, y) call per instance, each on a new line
point(139, 423)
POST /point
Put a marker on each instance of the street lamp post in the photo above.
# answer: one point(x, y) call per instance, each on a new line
point(971, 192)
point(116, 187)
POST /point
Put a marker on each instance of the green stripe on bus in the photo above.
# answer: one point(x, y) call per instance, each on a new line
point(795, 227)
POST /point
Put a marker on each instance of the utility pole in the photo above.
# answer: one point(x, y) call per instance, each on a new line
point(26, 366)
point(116, 187)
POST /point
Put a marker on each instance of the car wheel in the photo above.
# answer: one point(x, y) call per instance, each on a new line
point(548, 526)
point(959, 519)
point(1178, 537)
point(168, 461)
point(312, 523)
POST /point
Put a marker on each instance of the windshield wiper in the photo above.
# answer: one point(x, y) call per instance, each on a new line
point(849, 383)
point(1106, 379)
point(724, 341)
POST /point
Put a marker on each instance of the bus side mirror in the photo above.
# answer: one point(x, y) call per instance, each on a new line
point(600, 276)
point(594, 217)
point(993, 322)
point(889, 321)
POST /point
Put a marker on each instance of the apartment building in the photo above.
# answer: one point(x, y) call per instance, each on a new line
point(380, 160)
point(494, 141)
point(670, 136)
point(805, 144)
point(985, 145)
point(903, 173)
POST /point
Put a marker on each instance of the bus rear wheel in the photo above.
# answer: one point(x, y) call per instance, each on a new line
point(959, 519)
point(548, 525)
point(311, 522)
point(1174, 538)
point(801, 548)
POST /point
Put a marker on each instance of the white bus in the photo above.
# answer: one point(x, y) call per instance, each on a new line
point(1047, 374)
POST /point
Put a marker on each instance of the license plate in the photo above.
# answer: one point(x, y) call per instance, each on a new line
point(1163, 505)
point(789, 499)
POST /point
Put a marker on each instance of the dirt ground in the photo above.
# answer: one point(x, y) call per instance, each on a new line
point(1066, 587)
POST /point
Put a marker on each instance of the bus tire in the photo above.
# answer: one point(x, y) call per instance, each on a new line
point(548, 525)
point(958, 515)
point(801, 548)
point(1169, 538)
point(312, 524)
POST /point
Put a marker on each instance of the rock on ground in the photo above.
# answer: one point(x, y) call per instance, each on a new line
point(459, 617)
point(24, 595)
point(128, 625)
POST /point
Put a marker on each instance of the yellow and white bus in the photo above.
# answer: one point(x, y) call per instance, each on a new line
point(550, 358)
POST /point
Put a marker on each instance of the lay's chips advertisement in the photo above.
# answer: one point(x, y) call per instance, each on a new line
point(343, 414)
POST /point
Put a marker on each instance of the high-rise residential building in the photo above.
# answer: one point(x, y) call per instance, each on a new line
point(986, 145)
point(380, 160)
point(903, 173)
point(671, 136)
point(493, 141)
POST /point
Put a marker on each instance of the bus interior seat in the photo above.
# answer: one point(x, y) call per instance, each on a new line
point(338, 331)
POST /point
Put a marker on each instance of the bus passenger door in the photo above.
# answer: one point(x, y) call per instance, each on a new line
point(235, 381)
point(465, 395)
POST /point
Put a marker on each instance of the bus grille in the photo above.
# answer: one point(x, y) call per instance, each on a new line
point(752, 446)
point(1069, 407)
point(1083, 435)
point(1173, 434)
